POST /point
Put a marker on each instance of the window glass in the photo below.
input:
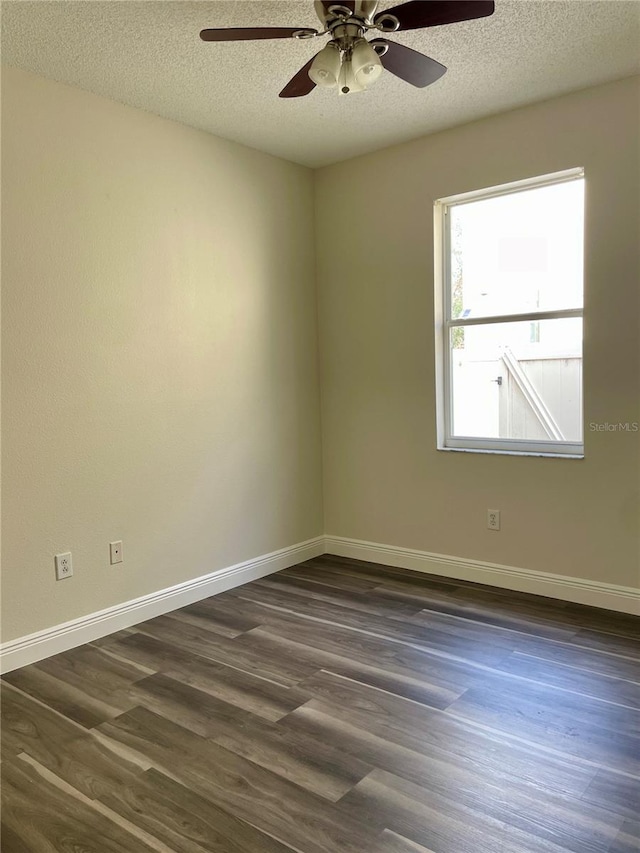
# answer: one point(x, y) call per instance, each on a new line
point(510, 313)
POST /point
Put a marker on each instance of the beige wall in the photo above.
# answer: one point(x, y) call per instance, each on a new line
point(384, 481)
point(159, 352)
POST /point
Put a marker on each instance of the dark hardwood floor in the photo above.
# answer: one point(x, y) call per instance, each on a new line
point(335, 707)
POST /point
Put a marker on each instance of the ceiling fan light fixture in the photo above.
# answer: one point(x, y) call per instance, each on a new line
point(366, 63)
point(325, 68)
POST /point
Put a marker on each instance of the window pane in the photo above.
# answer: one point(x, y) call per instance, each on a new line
point(518, 380)
point(518, 253)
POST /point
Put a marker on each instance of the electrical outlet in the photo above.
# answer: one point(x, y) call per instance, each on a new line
point(64, 566)
point(115, 553)
point(493, 519)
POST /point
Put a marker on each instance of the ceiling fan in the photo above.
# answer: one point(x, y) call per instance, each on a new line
point(349, 61)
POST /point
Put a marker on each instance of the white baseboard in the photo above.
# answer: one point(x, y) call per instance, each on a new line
point(581, 591)
point(60, 638)
point(52, 641)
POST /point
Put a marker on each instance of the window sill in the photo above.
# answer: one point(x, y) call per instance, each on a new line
point(512, 452)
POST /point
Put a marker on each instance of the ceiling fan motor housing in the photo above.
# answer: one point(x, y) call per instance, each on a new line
point(363, 9)
point(346, 34)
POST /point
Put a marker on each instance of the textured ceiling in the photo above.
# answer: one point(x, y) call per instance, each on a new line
point(148, 54)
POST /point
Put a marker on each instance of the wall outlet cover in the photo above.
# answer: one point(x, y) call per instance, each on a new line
point(115, 553)
point(64, 566)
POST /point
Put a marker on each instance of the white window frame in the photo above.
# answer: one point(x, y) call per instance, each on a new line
point(444, 324)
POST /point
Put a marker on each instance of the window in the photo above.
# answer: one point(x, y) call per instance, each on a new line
point(509, 284)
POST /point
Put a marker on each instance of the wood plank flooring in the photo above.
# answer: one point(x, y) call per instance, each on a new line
point(335, 707)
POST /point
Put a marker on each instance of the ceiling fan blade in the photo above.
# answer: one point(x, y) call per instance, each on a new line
point(409, 65)
point(250, 33)
point(432, 13)
point(300, 84)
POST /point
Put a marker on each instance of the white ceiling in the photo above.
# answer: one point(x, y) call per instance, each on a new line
point(148, 54)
